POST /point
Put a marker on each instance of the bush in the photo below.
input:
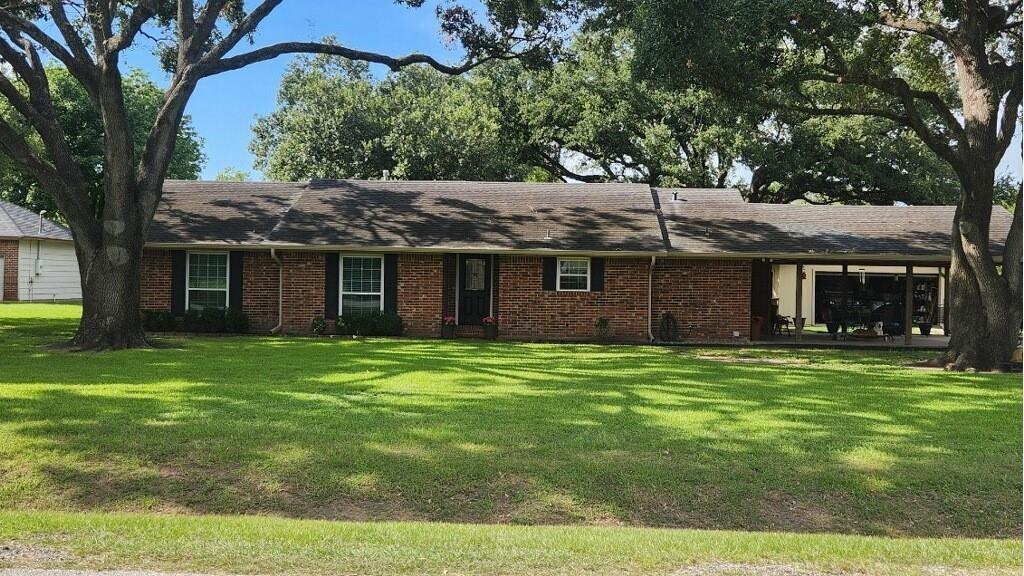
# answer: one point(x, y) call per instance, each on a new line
point(668, 328)
point(159, 321)
point(603, 328)
point(370, 324)
point(318, 326)
point(236, 322)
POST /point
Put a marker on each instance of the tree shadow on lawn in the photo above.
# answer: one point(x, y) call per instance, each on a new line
point(502, 432)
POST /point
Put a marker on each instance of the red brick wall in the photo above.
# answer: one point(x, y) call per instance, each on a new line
point(303, 289)
point(421, 293)
point(156, 280)
point(710, 299)
point(259, 290)
point(9, 283)
point(526, 311)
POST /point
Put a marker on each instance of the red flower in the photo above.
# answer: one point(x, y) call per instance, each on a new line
point(449, 320)
point(489, 320)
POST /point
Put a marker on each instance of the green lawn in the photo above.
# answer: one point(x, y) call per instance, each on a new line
point(840, 442)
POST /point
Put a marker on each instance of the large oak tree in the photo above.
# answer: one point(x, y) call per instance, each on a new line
point(197, 40)
point(948, 71)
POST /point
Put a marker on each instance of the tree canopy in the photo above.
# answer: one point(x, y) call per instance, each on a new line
point(84, 128)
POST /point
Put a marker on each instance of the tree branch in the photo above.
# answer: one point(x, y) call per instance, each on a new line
point(275, 50)
point(241, 30)
point(83, 70)
point(142, 12)
point(916, 25)
point(68, 31)
point(1011, 113)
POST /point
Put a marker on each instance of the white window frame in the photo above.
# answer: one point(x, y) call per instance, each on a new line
point(188, 275)
point(558, 274)
point(341, 280)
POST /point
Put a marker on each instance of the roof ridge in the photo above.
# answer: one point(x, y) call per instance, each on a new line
point(284, 214)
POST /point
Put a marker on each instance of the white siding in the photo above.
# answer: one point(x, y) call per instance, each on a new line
point(47, 270)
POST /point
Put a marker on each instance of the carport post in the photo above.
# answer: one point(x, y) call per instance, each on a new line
point(908, 307)
point(843, 300)
point(799, 301)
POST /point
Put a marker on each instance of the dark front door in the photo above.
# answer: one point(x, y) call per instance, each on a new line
point(474, 288)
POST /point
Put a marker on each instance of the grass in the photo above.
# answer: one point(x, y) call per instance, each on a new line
point(414, 432)
point(253, 545)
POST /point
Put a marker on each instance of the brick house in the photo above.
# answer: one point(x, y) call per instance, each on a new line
point(547, 261)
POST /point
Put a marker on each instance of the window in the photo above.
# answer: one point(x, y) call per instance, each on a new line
point(475, 270)
point(207, 280)
point(362, 284)
point(573, 274)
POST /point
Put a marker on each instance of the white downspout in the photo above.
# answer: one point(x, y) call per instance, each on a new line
point(280, 292)
point(650, 299)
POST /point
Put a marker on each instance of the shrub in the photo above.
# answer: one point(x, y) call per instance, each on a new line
point(318, 326)
point(236, 322)
point(668, 328)
point(215, 320)
point(603, 328)
point(381, 324)
point(159, 321)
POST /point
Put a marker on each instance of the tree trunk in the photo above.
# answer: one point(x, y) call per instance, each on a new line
point(111, 297)
point(984, 310)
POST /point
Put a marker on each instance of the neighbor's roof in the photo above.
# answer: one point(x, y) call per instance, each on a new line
point(535, 217)
point(18, 222)
point(412, 215)
point(799, 230)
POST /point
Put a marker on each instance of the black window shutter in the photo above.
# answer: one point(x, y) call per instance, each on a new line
point(179, 260)
point(391, 283)
point(331, 278)
point(235, 280)
point(596, 274)
point(550, 263)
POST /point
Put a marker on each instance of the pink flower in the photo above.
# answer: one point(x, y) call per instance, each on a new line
point(489, 320)
point(449, 320)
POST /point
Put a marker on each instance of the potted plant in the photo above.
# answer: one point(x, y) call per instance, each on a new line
point(490, 328)
point(448, 327)
point(925, 328)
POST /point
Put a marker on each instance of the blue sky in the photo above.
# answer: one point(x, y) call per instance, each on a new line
point(224, 107)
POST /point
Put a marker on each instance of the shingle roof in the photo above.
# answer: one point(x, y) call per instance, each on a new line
point(701, 194)
point(413, 214)
point(807, 230)
point(610, 218)
point(18, 222)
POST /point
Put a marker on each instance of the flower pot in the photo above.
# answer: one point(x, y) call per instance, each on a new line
point(925, 328)
point(448, 331)
point(491, 331)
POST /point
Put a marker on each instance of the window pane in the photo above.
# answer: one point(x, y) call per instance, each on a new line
point(360, 304)
point(208, 271)
point(573, 283)
point(360, 274)
point(475, 268)
point(573, 266)
point(200, 299)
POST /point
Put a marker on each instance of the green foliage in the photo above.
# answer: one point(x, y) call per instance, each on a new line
point(382, 324)
point(668, 328)
point(318, 326)
point(232, 174)
point(216, 320)
point(84, 132)
point(236, 321)
point(335, 121)
point(159, 321)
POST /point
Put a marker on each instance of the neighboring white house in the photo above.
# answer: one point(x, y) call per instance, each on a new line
point(37, 257)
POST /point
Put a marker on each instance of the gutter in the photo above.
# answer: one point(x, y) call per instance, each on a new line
point(280, 292)
point(650, 299)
